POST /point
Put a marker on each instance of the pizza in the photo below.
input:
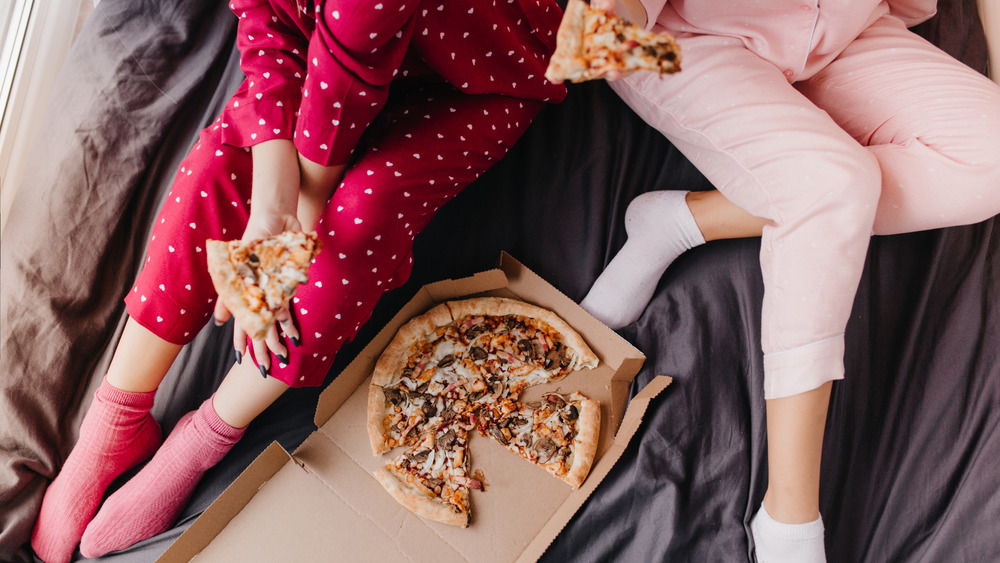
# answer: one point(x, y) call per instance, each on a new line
point(591, 43)
point(256, 279)
point(462, 367)
point(554, 433)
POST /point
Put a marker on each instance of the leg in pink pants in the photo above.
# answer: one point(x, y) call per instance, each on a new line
point(893, 136)
point(438, 143)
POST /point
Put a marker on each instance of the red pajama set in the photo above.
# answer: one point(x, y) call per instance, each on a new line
point(466, 80)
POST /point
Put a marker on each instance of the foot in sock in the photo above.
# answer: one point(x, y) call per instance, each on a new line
point(660, 228)
point(117, 433)
point(786, 543)
point(150, 502)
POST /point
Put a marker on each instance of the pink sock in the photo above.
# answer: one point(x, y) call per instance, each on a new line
point(151, 501)
point(117, 433)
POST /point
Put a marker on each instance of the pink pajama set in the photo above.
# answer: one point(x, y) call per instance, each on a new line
point(834, 121)
point(466, 80)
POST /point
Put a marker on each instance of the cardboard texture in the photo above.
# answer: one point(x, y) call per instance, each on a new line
point(321, 502)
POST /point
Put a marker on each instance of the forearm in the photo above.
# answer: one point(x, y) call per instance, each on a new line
point(989, 13)
point(276, 177)
point(318, 184)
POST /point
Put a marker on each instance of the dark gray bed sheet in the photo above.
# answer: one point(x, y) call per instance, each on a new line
point(909, 470)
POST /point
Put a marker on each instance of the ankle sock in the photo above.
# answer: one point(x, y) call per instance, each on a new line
point(660, 228)
point(776, 542)
point(151, 501)
point(117, 433)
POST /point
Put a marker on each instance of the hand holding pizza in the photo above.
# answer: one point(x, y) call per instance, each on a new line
point(273, 208)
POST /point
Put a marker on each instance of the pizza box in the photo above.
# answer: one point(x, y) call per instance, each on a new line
point(322, 502)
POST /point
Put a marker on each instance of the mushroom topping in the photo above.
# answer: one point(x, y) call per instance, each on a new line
point(498, 434)
point(447, 414)
point(478, 353)
point(435, 483)
point(418, 457)
point(394, 396)
point(474, 331)
point(529, 348)
point(446, 440)
point(556, 400)
point(446, 361)
point(428, 408)
point(545, 448)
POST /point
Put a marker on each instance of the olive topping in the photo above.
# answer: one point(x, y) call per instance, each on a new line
point(570, 414)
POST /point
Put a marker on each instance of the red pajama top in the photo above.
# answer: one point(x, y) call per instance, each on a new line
point(320, 73)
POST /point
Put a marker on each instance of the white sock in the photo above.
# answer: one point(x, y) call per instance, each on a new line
point(780, 543)
point(660, 228)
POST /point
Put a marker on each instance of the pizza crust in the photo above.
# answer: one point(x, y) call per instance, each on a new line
point(583, 356)
point(419, 502)
point(229, 286)
point(585, 443)
point(567, 63)
point(393, 359)
point(377, 432)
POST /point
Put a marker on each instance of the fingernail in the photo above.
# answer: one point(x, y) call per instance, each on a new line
point(295, 341)
point(263, 371)
point(283, 359)
point(218, 322)
point(239, 357)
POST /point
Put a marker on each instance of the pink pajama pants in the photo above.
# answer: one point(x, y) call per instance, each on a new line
point(436, 145)
point(893, 136)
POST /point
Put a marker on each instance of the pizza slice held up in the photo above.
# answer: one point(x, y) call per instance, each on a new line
point(591, 43)
point(256, 279)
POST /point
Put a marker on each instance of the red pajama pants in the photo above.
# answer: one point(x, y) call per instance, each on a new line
point(435, 148)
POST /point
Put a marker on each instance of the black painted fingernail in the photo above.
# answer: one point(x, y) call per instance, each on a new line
point(295, 341)
point(239, 357)
point(283, 359)
point(263, 371)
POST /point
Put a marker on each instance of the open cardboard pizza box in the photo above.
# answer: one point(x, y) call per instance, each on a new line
point(322, 503)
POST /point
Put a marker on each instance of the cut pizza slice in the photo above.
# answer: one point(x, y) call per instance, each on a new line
point(559, 433)
point(256, 279)
point(591, 43)
point(432, 478)
point(518, 344)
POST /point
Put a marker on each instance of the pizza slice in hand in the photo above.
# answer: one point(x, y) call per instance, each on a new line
point(256, 279)
point(591, 43)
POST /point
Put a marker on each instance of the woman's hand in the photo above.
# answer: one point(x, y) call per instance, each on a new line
point(273, 205)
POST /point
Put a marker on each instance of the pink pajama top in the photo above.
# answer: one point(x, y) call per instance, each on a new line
point(318, 71)
point(798, 36)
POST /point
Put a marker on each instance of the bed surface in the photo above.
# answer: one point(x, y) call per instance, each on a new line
point(910, 467)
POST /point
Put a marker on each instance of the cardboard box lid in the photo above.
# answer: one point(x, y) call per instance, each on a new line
point(324, 497)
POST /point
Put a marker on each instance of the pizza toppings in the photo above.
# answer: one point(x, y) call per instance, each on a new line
point(591, 43)
point(463, 366)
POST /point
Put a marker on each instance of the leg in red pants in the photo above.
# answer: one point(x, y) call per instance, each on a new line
point(437, 143)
